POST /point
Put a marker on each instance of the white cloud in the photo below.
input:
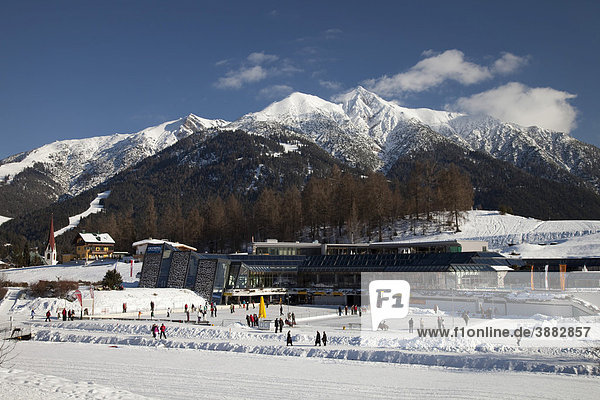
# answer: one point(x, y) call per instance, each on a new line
point(237, 79)
point(437, 68)
point(515, 102)
point(261, 58)
point(509, 63)
point(275, 91)
point(332, 33)
point(255, 67)
point(332, 85)
point(430, 72)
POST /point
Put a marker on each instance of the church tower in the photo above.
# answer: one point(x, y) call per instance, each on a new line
point(50, 253)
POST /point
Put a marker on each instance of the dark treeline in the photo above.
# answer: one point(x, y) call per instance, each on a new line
point(340, 207)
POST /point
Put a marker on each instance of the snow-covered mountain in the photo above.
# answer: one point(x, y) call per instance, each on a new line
point(359, 128)
point(79, 164)
point(368, 131)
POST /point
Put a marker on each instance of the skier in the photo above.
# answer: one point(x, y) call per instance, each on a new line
point(154, 330)
point(324, 339)
point(289, 339)
point(410, 325)
point(32, 313)
point(47, 316)
point(163, 330)
point(318, 339)
point(124, 307)
point(64, 314)
point(186, 307)
point(293, 319)
point(168, 312)
point(151, 306)
point(340, 310)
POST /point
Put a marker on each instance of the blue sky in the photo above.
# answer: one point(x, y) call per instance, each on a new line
point(74, 69)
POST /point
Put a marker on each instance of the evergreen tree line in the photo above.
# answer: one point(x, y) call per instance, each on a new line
point(340, 207)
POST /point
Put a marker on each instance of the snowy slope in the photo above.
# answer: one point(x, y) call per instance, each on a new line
point(79, 164)
point(530, 237)
point(95, 207)
point(4, 219)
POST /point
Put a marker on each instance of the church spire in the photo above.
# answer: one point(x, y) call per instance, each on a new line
point(51, 242)
point(50, 254)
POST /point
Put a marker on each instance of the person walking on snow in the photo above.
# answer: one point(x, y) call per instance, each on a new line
point(318, 339)
point(410, 325)
point(289, 339)
point(324, 339)
point(32, 313)
point(163, 332)
point(47, 316)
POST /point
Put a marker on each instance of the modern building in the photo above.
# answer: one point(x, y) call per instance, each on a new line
point(94, 245)
point(140, 246)
point(275, 248)
point(316, 278)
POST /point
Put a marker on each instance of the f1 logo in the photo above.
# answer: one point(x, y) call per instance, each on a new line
point(388, 299)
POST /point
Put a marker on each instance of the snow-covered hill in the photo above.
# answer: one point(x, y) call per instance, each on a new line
point(529, 237)
point(79, 164)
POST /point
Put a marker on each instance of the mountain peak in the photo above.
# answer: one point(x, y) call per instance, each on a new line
point(299, 104)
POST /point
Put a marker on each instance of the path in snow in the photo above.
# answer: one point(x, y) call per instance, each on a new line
point(177, 374)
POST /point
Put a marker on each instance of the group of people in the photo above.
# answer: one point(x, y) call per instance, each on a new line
point(155, 331)
point(354, 310)
point(278, 325)
point(66, 315)
point(321, 338)
point(252, 320)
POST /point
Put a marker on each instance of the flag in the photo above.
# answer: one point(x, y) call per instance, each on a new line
point(563, 273)
point(77, 294)
point(532, 288)
point(546, 276)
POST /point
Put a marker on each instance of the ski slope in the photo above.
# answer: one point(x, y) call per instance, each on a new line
point(530, 237)
point(95, 207)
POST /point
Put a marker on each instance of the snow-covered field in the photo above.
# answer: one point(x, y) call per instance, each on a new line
point(115, 356)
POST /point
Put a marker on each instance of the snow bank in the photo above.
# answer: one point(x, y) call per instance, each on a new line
point(18, 384)
point(483, 360)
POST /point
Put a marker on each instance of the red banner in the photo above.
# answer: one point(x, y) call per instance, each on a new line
point(77, 294)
